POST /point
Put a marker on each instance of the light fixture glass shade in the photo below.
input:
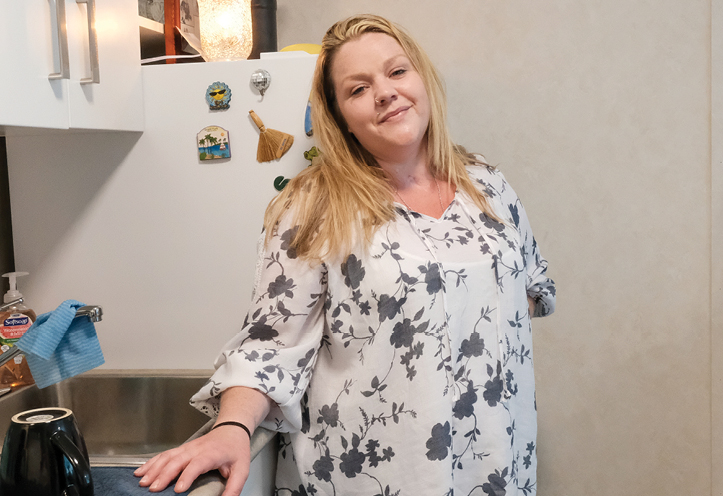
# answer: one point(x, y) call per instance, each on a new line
point(226, 32)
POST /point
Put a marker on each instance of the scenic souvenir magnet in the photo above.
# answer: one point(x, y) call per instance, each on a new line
point(213, 143)
point(218, 96)
point(261, 80)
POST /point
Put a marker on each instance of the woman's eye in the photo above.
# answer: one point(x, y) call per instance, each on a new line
point(399, 72)
point(357, 91)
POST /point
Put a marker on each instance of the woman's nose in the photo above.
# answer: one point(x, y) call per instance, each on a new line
point(385, 96)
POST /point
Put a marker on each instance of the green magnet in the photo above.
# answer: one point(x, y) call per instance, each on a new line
point(280, 183)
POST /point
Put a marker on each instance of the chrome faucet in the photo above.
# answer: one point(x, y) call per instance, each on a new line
point(93, 312)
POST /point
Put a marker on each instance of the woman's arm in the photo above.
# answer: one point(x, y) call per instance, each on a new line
point(226, 448)
point(540, 288)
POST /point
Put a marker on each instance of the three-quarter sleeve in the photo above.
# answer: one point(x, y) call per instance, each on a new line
point(277, 347)
point(539, 287)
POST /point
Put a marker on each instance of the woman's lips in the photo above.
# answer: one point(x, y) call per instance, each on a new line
point(391, 114)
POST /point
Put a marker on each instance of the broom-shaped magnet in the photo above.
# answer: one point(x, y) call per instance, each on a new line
point(272, 144)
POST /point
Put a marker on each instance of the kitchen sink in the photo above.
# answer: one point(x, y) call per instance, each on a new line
point(125, 416)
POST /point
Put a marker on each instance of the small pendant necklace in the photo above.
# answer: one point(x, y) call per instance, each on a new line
point(439, 195)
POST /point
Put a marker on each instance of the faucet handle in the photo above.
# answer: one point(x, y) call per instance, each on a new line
point(93, 312)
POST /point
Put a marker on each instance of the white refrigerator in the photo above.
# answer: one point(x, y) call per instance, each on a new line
point(165, 242)
point(136, 222)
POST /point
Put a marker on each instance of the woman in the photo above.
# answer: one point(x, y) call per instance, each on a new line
point(389, 336)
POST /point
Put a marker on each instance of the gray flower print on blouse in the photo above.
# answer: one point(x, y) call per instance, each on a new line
point(411, 356)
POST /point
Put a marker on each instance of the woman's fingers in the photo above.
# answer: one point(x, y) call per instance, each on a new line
point(164, 469)
point(228, 452)
point(236, 480)
point(158, 472)
point(197, 467)
point(143, 469)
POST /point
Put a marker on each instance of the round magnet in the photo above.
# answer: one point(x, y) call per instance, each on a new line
point(218, 96)
point(261, 80)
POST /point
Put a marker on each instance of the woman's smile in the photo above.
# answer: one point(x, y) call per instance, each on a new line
point(395, 115)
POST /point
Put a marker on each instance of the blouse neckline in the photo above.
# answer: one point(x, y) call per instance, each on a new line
point(429, 217)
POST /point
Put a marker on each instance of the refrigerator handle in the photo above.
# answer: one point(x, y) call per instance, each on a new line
point(62, 30)
point(92, 45)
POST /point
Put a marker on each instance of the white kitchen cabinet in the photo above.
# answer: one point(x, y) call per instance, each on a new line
point(31, 33)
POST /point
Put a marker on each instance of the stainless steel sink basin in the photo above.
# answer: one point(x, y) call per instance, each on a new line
point(127, 416)
point(123, 414)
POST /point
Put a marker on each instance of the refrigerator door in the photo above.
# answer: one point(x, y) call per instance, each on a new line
point(165, 242)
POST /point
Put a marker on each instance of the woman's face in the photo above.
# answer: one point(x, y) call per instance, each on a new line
point(381, 96)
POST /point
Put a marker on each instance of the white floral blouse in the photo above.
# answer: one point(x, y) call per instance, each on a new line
point(406, 369)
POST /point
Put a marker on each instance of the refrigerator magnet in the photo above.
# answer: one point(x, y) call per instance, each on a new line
point(273, 144)
point(310, 154)
point(218, 96)
point(280, 182)
point(308, 128)
point(213, 143)
point(261, 80)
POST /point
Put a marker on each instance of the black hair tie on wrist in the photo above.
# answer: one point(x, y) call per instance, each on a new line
point(237, 424)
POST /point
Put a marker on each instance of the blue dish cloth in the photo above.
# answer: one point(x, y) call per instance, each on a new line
point(58, 346)
point(120, 481)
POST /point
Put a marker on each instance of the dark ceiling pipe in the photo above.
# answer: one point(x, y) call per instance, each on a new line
point(263, 20)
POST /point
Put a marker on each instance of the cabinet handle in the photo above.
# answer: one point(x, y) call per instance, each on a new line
point(92, 45)
point(61, 26)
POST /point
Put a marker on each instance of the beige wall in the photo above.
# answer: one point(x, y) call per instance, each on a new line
point(599, 114)
point(717, 242)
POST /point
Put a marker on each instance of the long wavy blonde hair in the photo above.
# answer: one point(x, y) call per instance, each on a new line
point(344, 197)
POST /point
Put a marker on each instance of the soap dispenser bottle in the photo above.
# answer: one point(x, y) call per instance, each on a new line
point(14, 321)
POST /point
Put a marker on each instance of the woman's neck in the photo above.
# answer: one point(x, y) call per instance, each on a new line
point(407, 170)
point(416, 187)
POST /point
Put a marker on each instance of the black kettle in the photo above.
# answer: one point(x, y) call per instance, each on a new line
point(44, 454)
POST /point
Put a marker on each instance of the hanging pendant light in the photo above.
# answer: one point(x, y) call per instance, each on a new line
point(226, 29)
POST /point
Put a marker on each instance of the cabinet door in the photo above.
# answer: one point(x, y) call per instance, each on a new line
point(36, 41)
point(30, 53)
point(115, 100)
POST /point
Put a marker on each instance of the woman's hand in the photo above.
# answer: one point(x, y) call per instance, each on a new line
point(226, 449)
point(531, 306)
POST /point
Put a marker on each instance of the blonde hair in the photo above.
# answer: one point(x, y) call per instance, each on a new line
point(344, 197)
